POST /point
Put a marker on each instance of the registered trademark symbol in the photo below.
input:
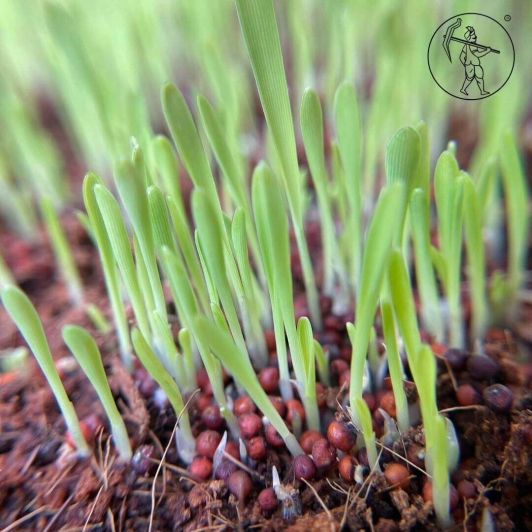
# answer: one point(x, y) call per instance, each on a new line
point(507, 18)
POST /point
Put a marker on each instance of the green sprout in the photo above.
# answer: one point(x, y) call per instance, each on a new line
point(84, 348)
point(23, 313)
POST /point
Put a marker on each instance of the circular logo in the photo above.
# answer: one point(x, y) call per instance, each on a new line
point(471, 56)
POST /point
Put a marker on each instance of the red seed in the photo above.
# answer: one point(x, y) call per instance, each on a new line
point(225, 470)
point(308, 439)
point(293, 405)
point(268, 500)
point(211, 417)
point(454, 498)
point(250, 425)
point(239, 484)
point(269, 379)
point(273, 437)
point(86, 431)
point(498, 398)
point(278, 403)
point(304, 467)
point(243, 405)
point(341, 436)
point(256, 448)
point(363, 456)
point(397, 475)
point(201, 467)
point(323, 454)
point(345, 379)
point(388, 404)
point(202, 402)
point(347, 467)
point(202, 378)
point(337, 367)
point(233, 448)
point(269, 337)
point(207, 442)
point(466, 489)
point(456, 358)
point(466, 395)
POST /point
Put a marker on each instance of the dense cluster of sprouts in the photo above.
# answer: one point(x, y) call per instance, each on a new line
point(229, 270)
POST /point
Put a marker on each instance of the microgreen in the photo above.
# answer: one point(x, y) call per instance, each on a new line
point(105, 250)
point(165, 381)
point(84, 348)
point(62, 251)
point(380, 235)
point(312, 132)
point(259, 28)
point(23, 313)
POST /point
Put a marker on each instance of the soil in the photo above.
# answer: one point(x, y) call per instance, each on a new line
point(45, 487)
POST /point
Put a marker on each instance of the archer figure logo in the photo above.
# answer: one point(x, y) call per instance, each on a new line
point(471, 56)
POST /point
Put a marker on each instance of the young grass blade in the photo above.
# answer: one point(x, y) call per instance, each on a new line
point(395, 366)
point(312, 132)
point(403, 305)
point(160, 222)
point(235, 361)
point(477, 260)
point(440, 475)
point(516, 195)
point(308, 391)
point(166, 164)
point(428, 289)
point(157, 371)
point(380, 235)
point(347, 125)
point(402, 165)
point(112, 280)
point(186, 138)
point(84, 348)
point(259, 27)
point(116, 231)
point(366, 425)
point(23, 313)
point(131, 185)
point(62, 251)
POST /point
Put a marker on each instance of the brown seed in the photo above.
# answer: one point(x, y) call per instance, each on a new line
point(304, 467)
point(268, 500)
point(466, 489)
point(202, 378)
point(211, 417)
point(243, 405)
point(250, 425)
point(482, 367)
point(278, 403)
point(239, 484)
point(337, 367)
point(341, 436)
point(454, 498)
point(347, 467)
point(388, 404)
point(207, 442)
point(294, 406)
point(466, 395)
point(308, 439)
point(225, 470)
point(256, 448)
point(269, 379)
point(363, 457)
point(273, 437)
point(370, 400)
point(499, 398)
point(323, 454)
point(397, 475)
point(201, 467)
